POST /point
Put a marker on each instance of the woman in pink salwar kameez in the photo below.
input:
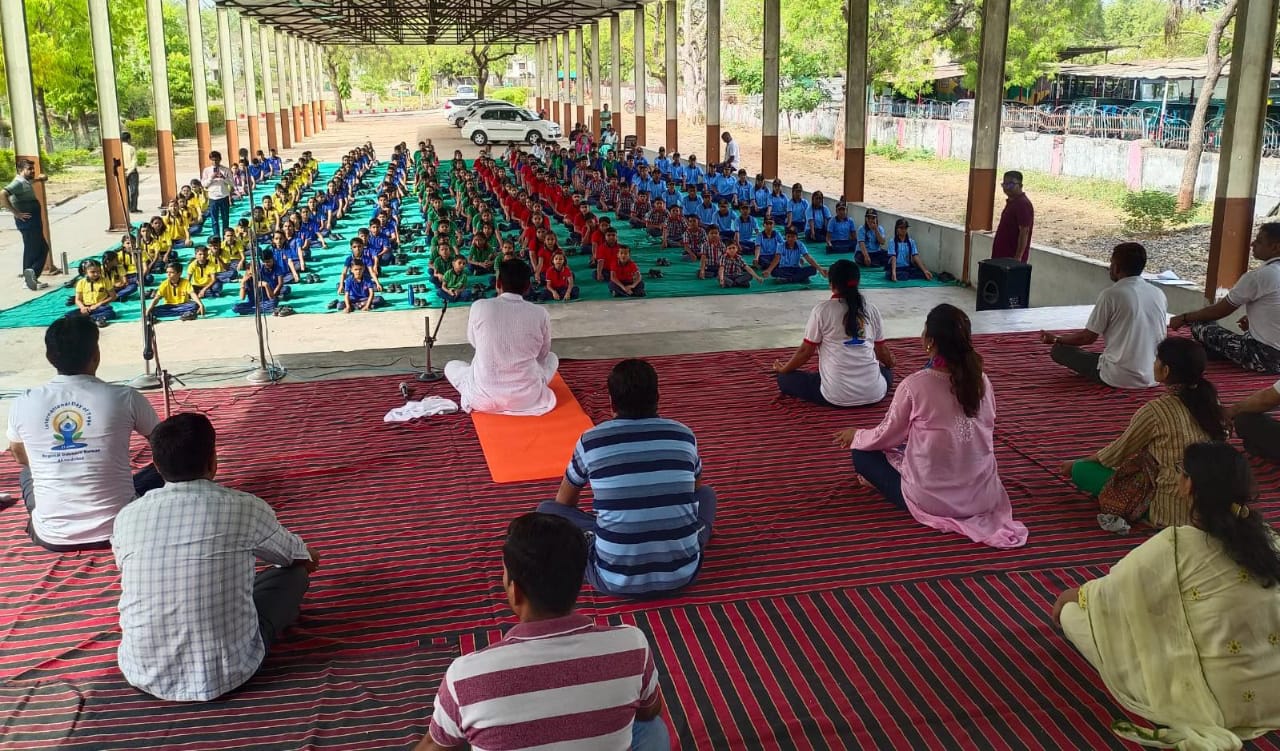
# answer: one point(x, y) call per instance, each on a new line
point(933, 454)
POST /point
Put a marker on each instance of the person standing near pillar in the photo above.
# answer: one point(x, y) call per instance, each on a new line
point(19, 197)
point(731, 154)
point(130, 161)
point(217, 184)
point(1013, 233)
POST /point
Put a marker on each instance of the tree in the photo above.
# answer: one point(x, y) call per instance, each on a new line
point(1217, 53)
point(337, 64)
point(483, 58)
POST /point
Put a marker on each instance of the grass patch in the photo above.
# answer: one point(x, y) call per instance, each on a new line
point(894, 153)
point(816, 141)
point(1110, 192)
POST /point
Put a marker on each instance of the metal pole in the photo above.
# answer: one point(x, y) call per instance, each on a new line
point(104, 73)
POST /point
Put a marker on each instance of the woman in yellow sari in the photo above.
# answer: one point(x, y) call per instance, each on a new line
point(1185, 629)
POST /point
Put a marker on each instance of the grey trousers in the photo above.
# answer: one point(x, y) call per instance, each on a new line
point(277, 594)
point(1078, 360)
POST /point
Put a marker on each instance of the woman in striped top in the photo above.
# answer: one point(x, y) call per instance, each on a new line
point(1162, 429)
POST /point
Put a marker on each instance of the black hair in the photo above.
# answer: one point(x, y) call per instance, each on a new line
point(1271, 231)
point(1222, 490)
point(126, 137)
point(633, 389)
point(1186, 360)
point(1013, 174)
point(514, 275)
point(24, 163)
point(546, 556)
point(1130, 258)
point(952, 336)
point(183, 447)
point(215, 155)
point(266, 255)
point(70, 344)
point(845, 276)
point(173, 266)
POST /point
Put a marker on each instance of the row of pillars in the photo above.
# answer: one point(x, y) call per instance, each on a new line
point(299, 102)
point(1238, 164)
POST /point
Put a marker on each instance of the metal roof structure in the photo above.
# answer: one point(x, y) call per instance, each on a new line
point(1151, 70)
point(464, 22)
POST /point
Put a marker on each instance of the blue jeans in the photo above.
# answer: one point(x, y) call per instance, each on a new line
point(220, 213)
point(650, 735)
point(875, 468)
point(807, 385)
point(794, 273)
point(169, 311)
point(704, 496)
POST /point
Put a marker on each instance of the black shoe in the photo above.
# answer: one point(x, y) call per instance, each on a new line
point(29, 277)
point(188, 316)
point(333, 305)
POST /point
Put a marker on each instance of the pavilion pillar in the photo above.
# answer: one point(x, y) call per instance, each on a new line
point(569, 84)
point(199, 84)
point(672, 66)
point(104, 73)
point(985, 153)
point(227, 71)
point(295, 90)
point(547, 64)
point(268, 90)
point(713, 82)
point(320, 76)
point(304, 85)
point(22, 101)
point(580, 92)
point(615, 71)
point(562, 81)
point(314, 72)
point(286, 109)
point(537, 76)
point(769, 126)
point(855, 101)
point(250, 88)
point(160, 89)
point(595, 79)
point(1232, 231)
point(641, 76)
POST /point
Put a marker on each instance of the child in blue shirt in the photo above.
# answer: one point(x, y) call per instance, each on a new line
point(742, 188)
point(816, 218)
point(768, 244)
point(786, 265)
point(746, 229)
point(797, 209)
point(871, 241)
point(706, 211)
point(723, 184)
point(840, 231)
point(904, 257)
point(358, 290)
point(778, 204)
point(726, 222)
point(759, 198)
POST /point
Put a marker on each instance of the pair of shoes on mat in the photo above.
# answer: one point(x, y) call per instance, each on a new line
point(656, 274)
point(1113, 523)
point(282, 311)
point(662, 262)
point(190, 315)
point(333, 304)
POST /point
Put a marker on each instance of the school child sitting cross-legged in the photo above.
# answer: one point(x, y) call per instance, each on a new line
point(453, 287)
point(787, 265)
point(271, 287)
point(175, 296)
point(203, 274)
point(559, 280)
point(359, 290)
point(904, 258)
point(625, 279)
point(734, 271)
point(94, 295)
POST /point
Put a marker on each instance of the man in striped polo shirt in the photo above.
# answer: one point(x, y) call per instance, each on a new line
point(653, 516)
point(556, 678)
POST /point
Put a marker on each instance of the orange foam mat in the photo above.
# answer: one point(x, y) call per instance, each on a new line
point(522, 448)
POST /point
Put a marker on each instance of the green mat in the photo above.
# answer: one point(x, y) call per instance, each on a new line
point(680, 278)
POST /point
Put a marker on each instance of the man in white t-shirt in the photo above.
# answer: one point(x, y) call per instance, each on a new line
point(514, 363)
point(1259, 431)
point(71, 437)
point(731, 156)
point(1131, 316)
point(1258, 291)
point(218, 186)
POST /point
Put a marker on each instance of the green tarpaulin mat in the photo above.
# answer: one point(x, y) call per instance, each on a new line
point(679, 279)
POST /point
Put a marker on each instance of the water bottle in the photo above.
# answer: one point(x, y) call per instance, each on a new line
point(410, 288)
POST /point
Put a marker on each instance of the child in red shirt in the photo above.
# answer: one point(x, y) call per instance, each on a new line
point(560, 284)
point(606, 255)
point(625, 280)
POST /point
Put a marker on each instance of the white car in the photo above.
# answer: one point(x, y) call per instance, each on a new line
point(455, 105)
point(509, 124)
point(459, 116)
point(466, 89)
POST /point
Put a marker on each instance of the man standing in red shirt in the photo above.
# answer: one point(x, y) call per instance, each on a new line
point(1013, 234)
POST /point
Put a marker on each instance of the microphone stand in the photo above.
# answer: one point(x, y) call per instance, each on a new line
point(148, 380)
point(266, 372)
point(430, 374)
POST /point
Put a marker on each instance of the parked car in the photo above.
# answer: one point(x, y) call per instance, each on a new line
point(457, 104)
point(460, 116)
point(467, 89)
point(509, 124)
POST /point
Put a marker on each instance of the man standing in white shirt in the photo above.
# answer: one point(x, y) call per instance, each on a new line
point(1258, 291)
point(129, 159)
point(195, 619)
point(730, 151)
point(514, 363)
point(71, 437)
point(217, 184)
point(1131, 316)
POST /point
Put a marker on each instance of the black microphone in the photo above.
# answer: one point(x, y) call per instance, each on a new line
point(147, 354)
point(404, 391)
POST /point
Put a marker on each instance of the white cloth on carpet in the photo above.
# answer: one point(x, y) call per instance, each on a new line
point(429, 407)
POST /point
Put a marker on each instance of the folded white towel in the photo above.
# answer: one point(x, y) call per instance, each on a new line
point(432, 405)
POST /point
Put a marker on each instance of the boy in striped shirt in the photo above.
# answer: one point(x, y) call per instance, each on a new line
point(556, 678)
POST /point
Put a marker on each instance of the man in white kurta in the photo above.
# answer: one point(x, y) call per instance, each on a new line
point(513, 362)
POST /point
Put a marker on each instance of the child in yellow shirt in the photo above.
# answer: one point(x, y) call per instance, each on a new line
point(203, 273)
point(156, 248)
point(94, 295)
point(175, 296)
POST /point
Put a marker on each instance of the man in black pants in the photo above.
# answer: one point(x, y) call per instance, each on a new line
point(19, 197)
point(129, 159)
point(1259, 431)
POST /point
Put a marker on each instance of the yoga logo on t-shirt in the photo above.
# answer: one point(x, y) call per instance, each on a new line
point(68, 424)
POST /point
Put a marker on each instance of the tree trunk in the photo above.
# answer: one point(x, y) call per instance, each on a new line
point(482, 74)
point(339, 112)
point(1195, 139)
point(44, 115)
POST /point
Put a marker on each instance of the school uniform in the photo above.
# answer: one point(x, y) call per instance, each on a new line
point(735, 272)
point(798, 215)
point(628, 271)
point(742, 191)
point(560, 280)
point(726, 224)
point(455, 280)
point(871, 239)
point(840, 235)
point(175, 299)
point(790, 260)
point(759, 202)
point(657, 221)
point(816, 219)
point(270, 277)
point(359, 290)
point(724, 188)
point(900, 254)
point(778, 209)
point(706, 214)
point(92, 293)
point(206, 275)
point(768, 247)
point(748, 233)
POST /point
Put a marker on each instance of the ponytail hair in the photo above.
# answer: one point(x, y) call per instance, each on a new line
point(1186, 360)
point(1222, 493)
point(952, 336)
point(845, 276)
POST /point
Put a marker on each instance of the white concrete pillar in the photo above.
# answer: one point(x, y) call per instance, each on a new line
point(988, 101)
point(713, 82)
point(199, 83)
point(300, 127)
point(595, 79)
point(615, 71)
point(855, 101)
point(769, 124)
point(227, 70)
point(580, 89)
point(286, 100)
point(642, 76)
point(268, 87)
point(250, 87)
point(22, 100)
point(104, 73)
point(160, 91)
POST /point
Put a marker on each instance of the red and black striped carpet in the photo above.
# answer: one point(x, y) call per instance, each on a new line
point(823, 618)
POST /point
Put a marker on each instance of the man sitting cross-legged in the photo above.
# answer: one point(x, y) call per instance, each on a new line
point(195, 620)
point(653, 514)
point(1130, 315)
point(556, 679)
